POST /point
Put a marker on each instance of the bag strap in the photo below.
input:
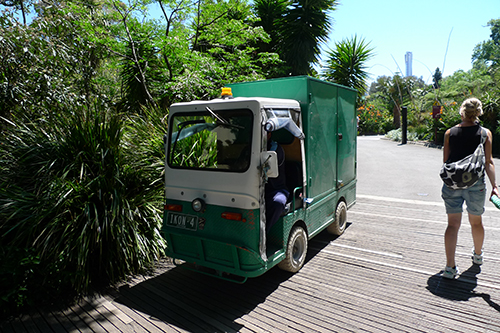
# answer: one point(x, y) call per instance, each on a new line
point(484, 135)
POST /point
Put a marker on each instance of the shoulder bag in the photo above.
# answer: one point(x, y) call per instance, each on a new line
point(465, 173)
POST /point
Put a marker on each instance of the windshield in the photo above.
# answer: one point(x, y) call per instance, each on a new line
point(212, 140)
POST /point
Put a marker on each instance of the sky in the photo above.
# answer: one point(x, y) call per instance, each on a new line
point(439, 33)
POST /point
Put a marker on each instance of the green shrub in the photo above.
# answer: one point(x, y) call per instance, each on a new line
point(420, 131)
point(374, 120)
point(450, 117)
point(80, 204)
point(397, 135)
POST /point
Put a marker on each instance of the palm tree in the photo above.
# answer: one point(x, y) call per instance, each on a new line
point(346, 64)
point(270, 13)
point(297, 28)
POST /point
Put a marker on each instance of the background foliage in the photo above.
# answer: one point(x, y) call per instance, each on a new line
point(482, 81)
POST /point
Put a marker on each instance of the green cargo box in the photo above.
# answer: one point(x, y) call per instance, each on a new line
point(329, 123)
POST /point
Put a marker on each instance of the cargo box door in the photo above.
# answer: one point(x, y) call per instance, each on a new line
point(347, 132)
point(321, 140)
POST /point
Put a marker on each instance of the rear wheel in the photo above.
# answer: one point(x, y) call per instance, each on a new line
point(337, 227)
point(295, 251)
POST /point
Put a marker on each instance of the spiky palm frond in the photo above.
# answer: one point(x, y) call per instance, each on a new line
point(346, 64)
point(304, 27)
point(270, 12)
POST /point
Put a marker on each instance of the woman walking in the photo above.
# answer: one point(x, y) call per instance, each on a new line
point(459, 142)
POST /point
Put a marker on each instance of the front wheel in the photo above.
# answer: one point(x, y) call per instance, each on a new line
point(295, 251)
point(338, 226)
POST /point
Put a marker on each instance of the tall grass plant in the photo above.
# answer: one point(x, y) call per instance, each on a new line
point(80, 203)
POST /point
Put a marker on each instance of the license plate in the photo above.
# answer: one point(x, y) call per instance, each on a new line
point(182, 221)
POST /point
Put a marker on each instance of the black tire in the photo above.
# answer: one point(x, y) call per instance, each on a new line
point(337, 227)
point(296, 251)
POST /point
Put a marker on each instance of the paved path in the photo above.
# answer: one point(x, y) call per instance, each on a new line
point(382, 275)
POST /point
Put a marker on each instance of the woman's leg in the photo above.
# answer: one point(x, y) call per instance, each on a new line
point(450, 237)
point(477, 229)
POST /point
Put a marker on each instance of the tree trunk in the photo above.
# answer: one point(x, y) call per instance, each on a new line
point(397, 116)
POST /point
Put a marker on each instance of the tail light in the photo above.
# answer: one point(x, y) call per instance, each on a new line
point(173, 208)
point(232, 216)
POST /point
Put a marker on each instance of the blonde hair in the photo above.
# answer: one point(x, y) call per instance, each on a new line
point(471, 109)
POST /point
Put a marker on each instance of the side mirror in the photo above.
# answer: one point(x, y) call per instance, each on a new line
point(269, 162)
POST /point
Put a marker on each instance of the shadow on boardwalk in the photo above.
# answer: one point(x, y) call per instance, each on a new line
point(460, 289)
point(195, 302)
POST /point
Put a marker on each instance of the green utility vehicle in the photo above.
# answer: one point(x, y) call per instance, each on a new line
point(217, 165)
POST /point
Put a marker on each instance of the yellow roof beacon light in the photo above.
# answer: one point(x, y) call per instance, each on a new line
point(226, 93)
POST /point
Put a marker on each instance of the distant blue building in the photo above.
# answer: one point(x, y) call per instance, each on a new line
point(408, 62)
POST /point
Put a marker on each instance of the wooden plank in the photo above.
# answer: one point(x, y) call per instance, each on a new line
point(311, 313)
point(197, 297)
point(135, 322)
point(60, 316)
point(202, 315)
point(86, 319)
point(111, 308)
point(351, 307)
point(75, 320)
point(227, 310)
point(257, 303)
point(47, 323)
point(195, 292)
point(394, 300)
point(230, 293)
point(7, 327)
point(116, 316)
point(28, 323)
point(16, 325)
point(146, 314)
point(39, 322)
point(99, 314)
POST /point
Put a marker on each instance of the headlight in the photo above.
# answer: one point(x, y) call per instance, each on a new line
point(198, 205)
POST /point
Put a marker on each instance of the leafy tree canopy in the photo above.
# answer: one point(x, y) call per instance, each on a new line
point(436, 77)
point(489, 50)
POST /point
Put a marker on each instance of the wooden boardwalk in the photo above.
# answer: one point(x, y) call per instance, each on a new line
point(382, 275)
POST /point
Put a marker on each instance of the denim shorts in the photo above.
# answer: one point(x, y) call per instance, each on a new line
point(474, 197)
